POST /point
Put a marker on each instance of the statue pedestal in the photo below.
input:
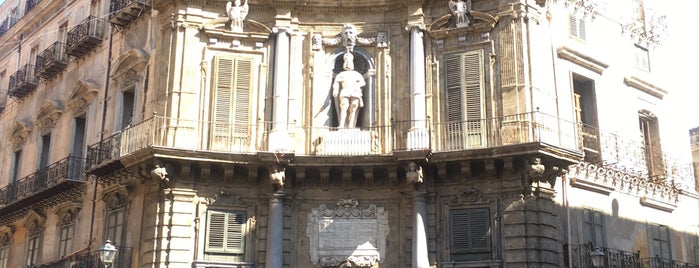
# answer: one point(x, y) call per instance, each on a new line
point(347, 141)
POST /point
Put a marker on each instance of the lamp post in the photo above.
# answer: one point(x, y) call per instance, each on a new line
point(107, 253)
point(597, 257)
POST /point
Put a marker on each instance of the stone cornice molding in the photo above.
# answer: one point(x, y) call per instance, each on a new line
point(7, 232)
point(20, 132)
point(115, 196)
point(81, 96)
point(582, 59)
point(34, 221)
point(645, 86)
point(48, 115)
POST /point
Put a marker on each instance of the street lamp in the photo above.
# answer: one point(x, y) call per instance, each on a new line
point(597, 257)
point(107, 253)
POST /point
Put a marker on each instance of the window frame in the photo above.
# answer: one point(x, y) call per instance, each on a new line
point(65, 243)
point(470, 253)
point(667, 242)
point(577, 27)
point(237, 254)
point(33, 249)
point(590, 227)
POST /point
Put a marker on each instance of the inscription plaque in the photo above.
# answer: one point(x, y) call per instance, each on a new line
point(347, 233)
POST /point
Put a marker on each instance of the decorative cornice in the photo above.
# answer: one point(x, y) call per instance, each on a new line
point(657, 204)
point(645, 86)
point(128, 65)
point(483, 23)
point(581, 59)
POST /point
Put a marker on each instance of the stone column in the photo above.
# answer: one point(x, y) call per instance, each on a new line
point(417, 137)
point(279, 136)
point(275, 232)
point(420, 257)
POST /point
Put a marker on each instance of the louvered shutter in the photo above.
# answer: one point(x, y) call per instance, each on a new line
point(470, 230)
point(576, 26)
point(232, 85)
point(473, 86)
point(225, 232)
point(453, 88)
point(464, 83)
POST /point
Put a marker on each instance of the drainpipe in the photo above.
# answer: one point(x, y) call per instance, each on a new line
point(104, 119)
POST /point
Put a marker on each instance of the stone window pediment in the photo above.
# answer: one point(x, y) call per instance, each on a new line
point(483, 23)
point(48, 115)
point(582, 59)
point(20, 132)
point(216, 31)
point(67, 212)
point(645, 86)
point(115, 197)
point(34, 222)
point(81, 96)
point(128, 65)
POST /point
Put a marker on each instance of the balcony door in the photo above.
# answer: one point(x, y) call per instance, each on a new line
point(232, 86)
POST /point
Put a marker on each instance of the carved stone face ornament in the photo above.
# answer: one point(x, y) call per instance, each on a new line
point(349, 36)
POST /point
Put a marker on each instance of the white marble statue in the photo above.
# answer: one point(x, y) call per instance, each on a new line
point(347, 91)
point(237, 10)
point(462, 12)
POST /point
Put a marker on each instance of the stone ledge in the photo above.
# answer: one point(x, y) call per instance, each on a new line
point(657, 204)
point(581, 59)
point(592, 186)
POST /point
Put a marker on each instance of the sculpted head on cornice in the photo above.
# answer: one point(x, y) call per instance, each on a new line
point(349, 36)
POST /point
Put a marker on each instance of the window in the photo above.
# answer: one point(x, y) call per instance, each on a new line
point(32, 54)
point(470, 234)
point(33, 248)
point(5, 241)
point(593, 228)
point(45, 151)
point(78, 147)
point(660, 237)
point(586, 116)
point(641, 60)
point(62, 32)
point(127, 108)
point(66, 232)
point(115, 225)
point(576, 26)
point(464, 83)
point(225, 235)
point(95, 8)
point(648, 125)
point(232, 86)
point(16, 165)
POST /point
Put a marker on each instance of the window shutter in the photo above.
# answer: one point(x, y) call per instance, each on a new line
point(233, 83)
point(223, 100)
point(573, 25)
point(453, 88)
point(243, 85)
point(470, 230)
point(225, 232)
point(473, 85)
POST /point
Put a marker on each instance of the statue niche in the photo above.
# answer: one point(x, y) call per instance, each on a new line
point(352, 90)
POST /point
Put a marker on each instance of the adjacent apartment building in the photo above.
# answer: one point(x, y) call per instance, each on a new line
point(324, 133)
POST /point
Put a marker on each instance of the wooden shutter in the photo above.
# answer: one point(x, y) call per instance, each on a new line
point(470, 230)
point(453, 88)
point(232, 85)
point(225, 232)
point(576, 26)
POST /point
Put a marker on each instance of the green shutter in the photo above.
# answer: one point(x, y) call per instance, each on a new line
point(470, 230)
point(225, 232)
point(453, 88)
point(233, 83)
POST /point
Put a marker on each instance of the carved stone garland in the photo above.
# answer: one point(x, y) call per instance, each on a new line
point(347, 234)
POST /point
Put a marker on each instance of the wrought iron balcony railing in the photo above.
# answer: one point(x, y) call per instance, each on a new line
point(23, 82)
point(86, 259)
point(578, 256)
point(84, 37)
point(657, 262)
point(124, 12)
point(631, 156)
point(67, 169)
point(51, 61)
point(331, 141)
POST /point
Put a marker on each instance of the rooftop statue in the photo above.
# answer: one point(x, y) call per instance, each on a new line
point(237, 10)
point(462, 12)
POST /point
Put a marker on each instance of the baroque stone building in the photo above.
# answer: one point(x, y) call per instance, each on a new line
point(277, 133)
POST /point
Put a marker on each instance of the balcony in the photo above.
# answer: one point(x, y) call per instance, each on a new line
point(51, 61)
point(84, 37)
point(657, 262)
point(517, 135)
point(46, 187)
point(83, 258)
point(578, 256)
point(124, 12)
point(23, 82)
